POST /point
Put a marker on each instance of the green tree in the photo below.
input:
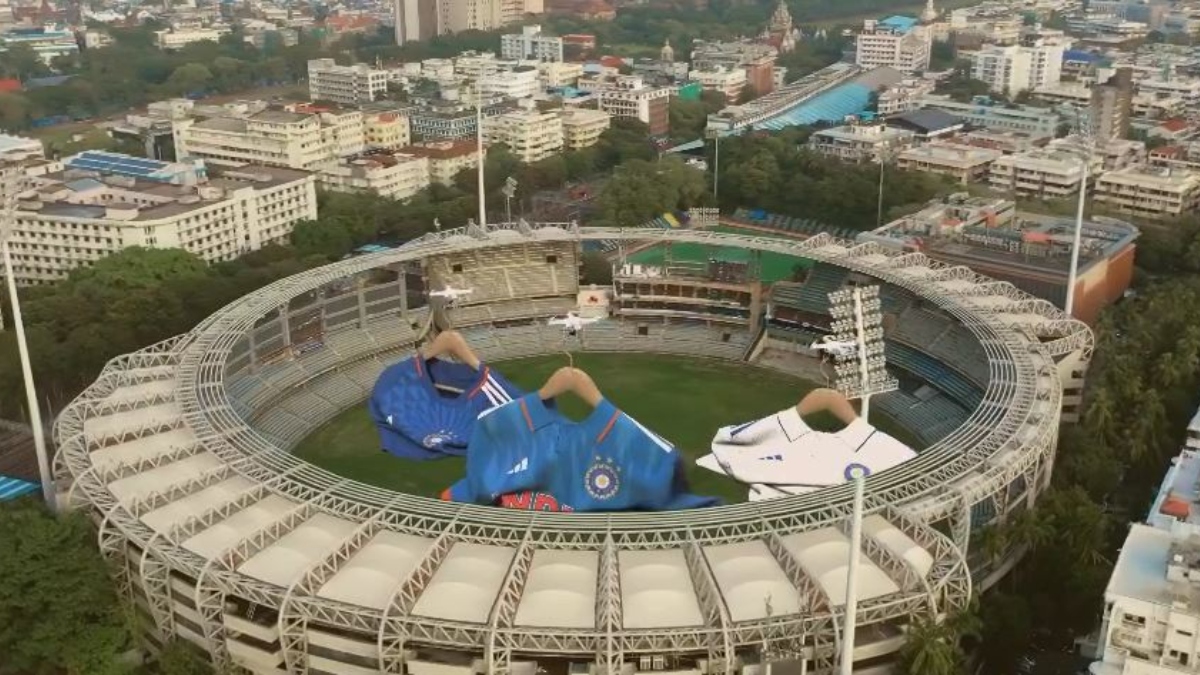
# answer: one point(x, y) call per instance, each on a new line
point(58, 609)
point(179, 657)
point(933, 646)
point(595, 269)
point(189, 78)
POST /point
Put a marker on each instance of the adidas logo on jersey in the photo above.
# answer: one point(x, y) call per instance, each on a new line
point(519, 466)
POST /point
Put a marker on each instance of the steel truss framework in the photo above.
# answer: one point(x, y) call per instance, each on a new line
point(1000, 456)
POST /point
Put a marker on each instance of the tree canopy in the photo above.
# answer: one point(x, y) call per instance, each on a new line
point(58, 608)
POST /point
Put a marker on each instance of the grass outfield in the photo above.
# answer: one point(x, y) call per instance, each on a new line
point(683, 399)
point(775, 266)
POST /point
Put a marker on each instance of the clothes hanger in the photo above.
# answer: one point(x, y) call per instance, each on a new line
point(450, 342)
point(568, 379)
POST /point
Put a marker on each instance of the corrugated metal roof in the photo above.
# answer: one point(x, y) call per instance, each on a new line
point(11, 488)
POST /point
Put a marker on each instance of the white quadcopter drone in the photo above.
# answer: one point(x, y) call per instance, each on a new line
point(572, 322)
point(450, 294)
point(844, 349)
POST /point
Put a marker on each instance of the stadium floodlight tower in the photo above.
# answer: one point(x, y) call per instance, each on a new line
point(10, 185)
point(1083, 144)
point(858, 319)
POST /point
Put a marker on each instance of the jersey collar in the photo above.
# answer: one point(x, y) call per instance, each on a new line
point(792, 425)
point(426, 377)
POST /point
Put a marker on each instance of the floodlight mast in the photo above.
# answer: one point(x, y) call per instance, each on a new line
point(857, 320)
point(1087, 145)
point(10, 183)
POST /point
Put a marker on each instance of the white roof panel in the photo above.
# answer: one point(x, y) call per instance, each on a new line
point(1141, 569)
point(466, 584)
point(370, 576)
point(211, 542)
point(656, 590)
point(900, 544)
point(142, 448)
point(749, 578)
point(141, 390)
point(560, 590)
point(160, 478)
point(132, 420)
point(825, 556)
point(284, 561)
point(166, 517)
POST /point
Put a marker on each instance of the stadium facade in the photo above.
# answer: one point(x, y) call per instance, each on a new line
point(222, 537)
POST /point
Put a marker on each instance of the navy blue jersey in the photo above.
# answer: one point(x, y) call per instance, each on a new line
point(524, 454)
point(417, 420)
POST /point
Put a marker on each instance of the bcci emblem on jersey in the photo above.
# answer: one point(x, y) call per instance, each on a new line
point(603, 479)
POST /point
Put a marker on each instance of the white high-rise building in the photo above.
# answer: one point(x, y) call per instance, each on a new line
point(1012, 69)
point(350, 85)
point(531, 45)
point(898, 45)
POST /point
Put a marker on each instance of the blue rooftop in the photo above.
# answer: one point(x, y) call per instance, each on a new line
point(1080, 55)
point(112, 163)
point(11, 488)
point(831, 106)
point(899, 23)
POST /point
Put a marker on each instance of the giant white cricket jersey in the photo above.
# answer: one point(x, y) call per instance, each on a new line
point(782, 454)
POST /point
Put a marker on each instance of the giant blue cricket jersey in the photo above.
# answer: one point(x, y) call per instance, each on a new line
point(525, 454)
point(416, 420)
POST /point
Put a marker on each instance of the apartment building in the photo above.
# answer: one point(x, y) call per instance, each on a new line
point(729, 83)
point(629, 96)
point(177, 38)
point(386, 130)
point(393, 175)
point(531, 135)
point(19, 148)
point(520, 82)
point(757, 60)
point(963, 163)
point(557, 74)
point(347, 85)
point(1145, 191)
point(531, 45)
point(63, 221)
point(306, 137)
point(1151, 611)
point(455, 16)
point(1012, 69)
point(416, 20)
point(1112, 106)
point(860, 143)
point(583, 127)
point(903, 97)
point(895, 43)
point(446, 159)
point(987, 114)
point(271, 137)
point(1042, 174)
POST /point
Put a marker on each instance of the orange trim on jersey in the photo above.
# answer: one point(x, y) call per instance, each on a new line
point(608, 427)
point(417, 363)
point(445, 496)
point(482, 381)
point(525, 411)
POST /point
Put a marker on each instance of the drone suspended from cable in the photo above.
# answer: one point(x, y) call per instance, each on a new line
point(450, 294)
point(836, 348)
point(572, 322)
